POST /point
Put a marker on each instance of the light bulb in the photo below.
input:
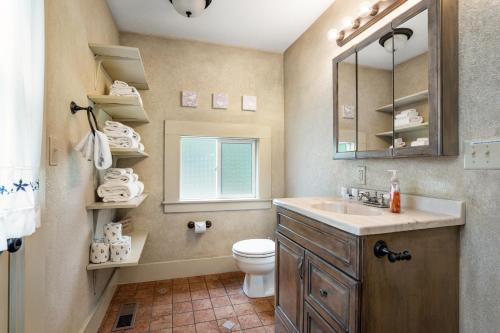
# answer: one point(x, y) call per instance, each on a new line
point(347, 22)
point(365, 9)
point(333, 34)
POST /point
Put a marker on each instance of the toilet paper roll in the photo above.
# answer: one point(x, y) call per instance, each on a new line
point(113, 232)
point(200, 227)
point(99, 251)
point(120, 250)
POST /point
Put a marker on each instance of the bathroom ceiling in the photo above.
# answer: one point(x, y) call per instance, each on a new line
point(271, 25)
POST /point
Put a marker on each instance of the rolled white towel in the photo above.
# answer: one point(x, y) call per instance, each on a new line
point(118, 83)
point(126, 178)
point(102, 152)
point(115, 172)
point(115, 191)
point(408, 120)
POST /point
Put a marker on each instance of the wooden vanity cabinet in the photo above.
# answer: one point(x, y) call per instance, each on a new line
point(328, 280)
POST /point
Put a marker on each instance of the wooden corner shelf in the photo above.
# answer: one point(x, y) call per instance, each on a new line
point(406, 100)
point(121, 108)
point(122, 63)
point(134, 203)
point(404, 129)
point(138, 240)
point(128, 153)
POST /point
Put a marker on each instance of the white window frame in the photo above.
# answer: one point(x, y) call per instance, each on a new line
point(218, 168)
point(175, 130)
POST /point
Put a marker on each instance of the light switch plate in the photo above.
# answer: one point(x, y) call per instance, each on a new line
point(53, 151)
point(482, 154)
point(361, 175)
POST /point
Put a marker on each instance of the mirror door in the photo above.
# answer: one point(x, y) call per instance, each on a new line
point(375, 96)
point(414, 119)
point(345, 103)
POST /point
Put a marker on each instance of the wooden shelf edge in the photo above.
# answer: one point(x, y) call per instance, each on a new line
point(139, 238)
point(406, 100)
point(405, 129)
point(134, 203)
point(128, 153)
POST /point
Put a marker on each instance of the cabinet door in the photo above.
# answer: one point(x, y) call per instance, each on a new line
point(313, 323)
point(289, 282)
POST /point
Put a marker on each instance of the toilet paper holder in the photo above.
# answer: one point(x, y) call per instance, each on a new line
point(191, 224)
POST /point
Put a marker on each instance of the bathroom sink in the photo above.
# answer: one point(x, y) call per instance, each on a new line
point(347, 208)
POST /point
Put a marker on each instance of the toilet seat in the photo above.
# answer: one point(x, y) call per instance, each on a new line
point(254, 248)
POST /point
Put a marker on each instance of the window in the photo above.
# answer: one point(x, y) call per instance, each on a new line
point(217, 168)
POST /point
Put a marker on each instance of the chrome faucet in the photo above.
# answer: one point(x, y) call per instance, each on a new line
point(377, 200)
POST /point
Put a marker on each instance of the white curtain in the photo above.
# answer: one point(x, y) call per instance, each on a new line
point(21, 116)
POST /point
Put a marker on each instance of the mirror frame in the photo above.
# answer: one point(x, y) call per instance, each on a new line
point(442, 76)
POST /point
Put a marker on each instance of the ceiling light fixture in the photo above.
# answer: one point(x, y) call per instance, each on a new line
point(190, 8)
point(400, 35)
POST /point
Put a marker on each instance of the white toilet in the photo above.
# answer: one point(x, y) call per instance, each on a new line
point(255, 258)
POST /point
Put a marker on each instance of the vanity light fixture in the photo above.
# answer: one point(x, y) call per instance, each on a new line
point(400, 35)
point(190, 8)
point(369, 14)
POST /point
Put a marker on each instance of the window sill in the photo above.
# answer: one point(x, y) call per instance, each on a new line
point(216, 205)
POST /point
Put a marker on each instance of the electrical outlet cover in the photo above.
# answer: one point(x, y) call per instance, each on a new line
point(361, 175)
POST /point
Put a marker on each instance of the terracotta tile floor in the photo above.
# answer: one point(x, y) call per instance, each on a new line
point(200, 304)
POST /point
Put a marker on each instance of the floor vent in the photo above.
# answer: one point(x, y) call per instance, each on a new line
point(126, 317)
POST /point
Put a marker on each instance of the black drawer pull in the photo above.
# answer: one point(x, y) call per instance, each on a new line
point(323, 293)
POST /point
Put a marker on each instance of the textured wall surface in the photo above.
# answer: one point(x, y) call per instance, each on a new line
point(310, 169)
point(59, 293)
point(176, 65)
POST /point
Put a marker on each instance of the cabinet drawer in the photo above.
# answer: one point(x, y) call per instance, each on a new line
point(332, 293)
point(335, 246)
point(313, 323)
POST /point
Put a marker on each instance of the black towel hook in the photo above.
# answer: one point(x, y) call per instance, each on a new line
point(90, 112)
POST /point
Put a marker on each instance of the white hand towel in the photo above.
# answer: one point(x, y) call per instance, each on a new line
point(86, 146)
point(102, 153)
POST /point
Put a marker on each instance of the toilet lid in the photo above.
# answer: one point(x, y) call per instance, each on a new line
point(254, 247)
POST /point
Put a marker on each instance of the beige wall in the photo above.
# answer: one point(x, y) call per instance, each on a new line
point(310, 169)
point(174, 65)
point(59, 293)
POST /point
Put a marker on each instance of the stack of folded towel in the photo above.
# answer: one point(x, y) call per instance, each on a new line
point(399, 143)
point(120, 185)
point(120, 88)
point(407, 118)
point(122, 136)
point(420, 142)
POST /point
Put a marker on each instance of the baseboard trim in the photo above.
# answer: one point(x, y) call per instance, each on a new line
point(94, 320)
point(176, 269)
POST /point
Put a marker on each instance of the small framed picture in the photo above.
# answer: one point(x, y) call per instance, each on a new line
point(220, 101)
point(249, 103)
point(347, 111)
point(189, 98)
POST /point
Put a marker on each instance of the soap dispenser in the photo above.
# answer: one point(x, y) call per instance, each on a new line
point(395, 202)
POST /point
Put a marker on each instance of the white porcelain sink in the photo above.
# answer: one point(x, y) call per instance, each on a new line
point(347, 208)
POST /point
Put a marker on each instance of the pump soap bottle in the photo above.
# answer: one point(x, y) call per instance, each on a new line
point(395, 204)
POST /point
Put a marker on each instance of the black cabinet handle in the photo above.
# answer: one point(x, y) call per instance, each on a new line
point(381, 249)
point(323, 293)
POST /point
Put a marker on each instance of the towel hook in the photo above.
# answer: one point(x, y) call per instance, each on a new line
point(90, 112)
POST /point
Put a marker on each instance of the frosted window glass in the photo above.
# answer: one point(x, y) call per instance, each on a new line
point(198, 165)
point(236, 169)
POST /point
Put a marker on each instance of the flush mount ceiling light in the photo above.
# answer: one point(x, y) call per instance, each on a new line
point(400, 35)
point(190, 8)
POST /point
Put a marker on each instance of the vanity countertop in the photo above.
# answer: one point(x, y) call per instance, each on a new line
point(417, 213)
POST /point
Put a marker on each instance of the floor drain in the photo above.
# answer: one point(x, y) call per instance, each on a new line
point(126, 317)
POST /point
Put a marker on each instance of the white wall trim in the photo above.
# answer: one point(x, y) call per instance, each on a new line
point(94, 320)
point(175, 269)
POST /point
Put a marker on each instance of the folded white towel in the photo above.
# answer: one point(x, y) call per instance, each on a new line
point(122, 142)
point(117, 172)
point(115, 128)
point(140, 185)
point(115, 191)
point(119, 83)
point(408, 121)
point(126, 178)
point(407, 113)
